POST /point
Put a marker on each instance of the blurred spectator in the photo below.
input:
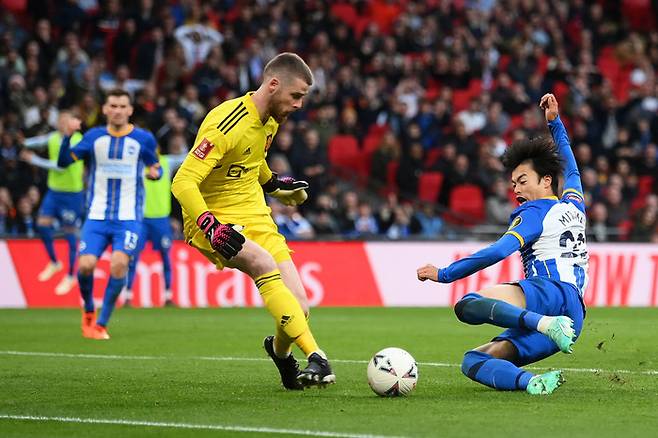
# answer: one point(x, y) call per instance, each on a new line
point(365, 224)
point(292, 225)
point(388, 151)
point(597, 227)
point(473, 118)
point(25, 222)
point(411, 167)
point(498, 205)
point(644, 228)
point(197, 40)
point(431, 224)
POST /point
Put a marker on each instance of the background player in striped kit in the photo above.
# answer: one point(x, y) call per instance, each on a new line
point(63, 202)
point(117, 154)
point(544, 312)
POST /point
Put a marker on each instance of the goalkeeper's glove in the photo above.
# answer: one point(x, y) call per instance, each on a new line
point(224, 238)
point(286, 189)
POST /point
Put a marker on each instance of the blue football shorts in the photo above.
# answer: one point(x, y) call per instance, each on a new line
point(66, 207)
point(98, 234)
point(546, 297)
point(158, 232)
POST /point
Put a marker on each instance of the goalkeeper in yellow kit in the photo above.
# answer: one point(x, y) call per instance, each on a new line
point(220, 188)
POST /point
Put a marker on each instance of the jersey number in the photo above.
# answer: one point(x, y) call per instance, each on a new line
point(130, 241)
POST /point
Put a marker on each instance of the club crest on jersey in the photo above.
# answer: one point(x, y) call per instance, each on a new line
point(516, 222)
point(203, 149)
point(268, 142)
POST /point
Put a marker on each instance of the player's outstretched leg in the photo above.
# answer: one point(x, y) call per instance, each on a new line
point(288, 366)
point(495, 373)
point(544, 384)
point(289, 317)
point(475, 309)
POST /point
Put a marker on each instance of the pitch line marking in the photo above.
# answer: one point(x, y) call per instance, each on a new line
point(226, 428)
point(258, 359)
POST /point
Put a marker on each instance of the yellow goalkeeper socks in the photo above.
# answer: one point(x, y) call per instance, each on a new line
point(282, 343)
point(286, 311)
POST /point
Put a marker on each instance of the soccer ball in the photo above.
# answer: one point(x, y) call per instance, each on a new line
point(392, 372)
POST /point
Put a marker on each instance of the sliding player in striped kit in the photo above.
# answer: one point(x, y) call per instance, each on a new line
point(222, 183)
point(544, 312)
point(117, 154)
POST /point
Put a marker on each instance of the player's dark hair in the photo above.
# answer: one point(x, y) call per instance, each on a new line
point(289, 64)
point(541, 153)
point(117, 92)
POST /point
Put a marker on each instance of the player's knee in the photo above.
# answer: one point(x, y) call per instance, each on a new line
point(86, 266)
point(460, 307)
point(119, 264)
point(118, 269)
point(472, 362)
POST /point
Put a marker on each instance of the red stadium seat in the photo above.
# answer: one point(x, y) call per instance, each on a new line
point(429, 186)
point(466, 202)
point(344, 153)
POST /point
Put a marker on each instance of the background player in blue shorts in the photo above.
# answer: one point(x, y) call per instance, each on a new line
point(63, 202)
point(544, 312)
point(116, 154)
point(156, 226)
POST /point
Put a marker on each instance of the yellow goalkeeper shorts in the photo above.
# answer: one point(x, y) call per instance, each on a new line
point(259, 229)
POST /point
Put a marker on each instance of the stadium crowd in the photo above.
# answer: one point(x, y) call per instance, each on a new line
point(414, 101)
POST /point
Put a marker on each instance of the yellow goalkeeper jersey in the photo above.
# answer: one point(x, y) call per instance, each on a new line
point(224, 170)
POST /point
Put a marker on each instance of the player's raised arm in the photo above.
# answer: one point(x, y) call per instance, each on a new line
point(69, 153)
point(572, 181)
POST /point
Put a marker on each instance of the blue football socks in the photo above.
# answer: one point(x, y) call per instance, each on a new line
point(72, 241)
point(475, 309)
point(112, 291)
point(86, 285)
point(46, 234)
point(166, 267)
point(494, 373)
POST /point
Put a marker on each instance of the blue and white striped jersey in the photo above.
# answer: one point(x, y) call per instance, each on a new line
point(116, 167)
point(549, 232)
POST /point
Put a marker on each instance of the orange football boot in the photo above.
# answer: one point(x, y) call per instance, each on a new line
point(88, 323)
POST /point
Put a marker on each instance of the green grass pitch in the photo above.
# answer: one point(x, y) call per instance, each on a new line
point(203, 372)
